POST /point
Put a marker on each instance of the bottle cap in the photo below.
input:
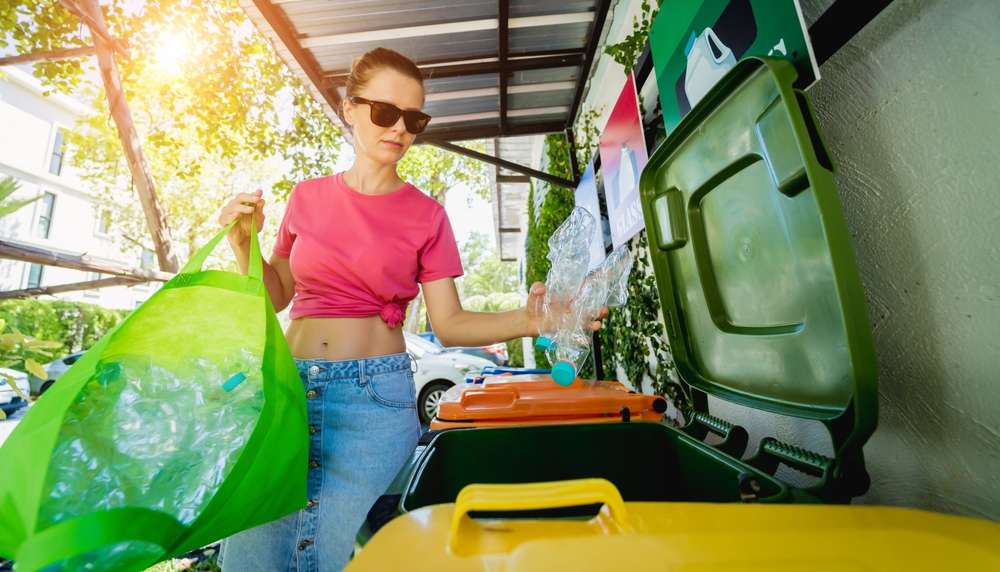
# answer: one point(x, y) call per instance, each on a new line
point(563, 373)
point(543, 343)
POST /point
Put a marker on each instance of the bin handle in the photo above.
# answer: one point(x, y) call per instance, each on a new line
point(533, 496)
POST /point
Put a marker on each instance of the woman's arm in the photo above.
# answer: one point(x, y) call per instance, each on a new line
point(455, 326)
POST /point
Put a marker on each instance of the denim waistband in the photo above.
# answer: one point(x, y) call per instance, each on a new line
point(323, 369)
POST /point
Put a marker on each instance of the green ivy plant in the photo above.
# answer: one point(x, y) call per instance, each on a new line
point(633, 337)
point(626, 52)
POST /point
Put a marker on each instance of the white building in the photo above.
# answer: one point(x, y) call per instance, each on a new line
point(67, 218)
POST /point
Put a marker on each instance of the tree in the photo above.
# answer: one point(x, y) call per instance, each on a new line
point(489, 284)
point(436, 171)
point(485, 273)
point(8, 204)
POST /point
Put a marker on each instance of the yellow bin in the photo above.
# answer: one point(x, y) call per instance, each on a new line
point(689, 537)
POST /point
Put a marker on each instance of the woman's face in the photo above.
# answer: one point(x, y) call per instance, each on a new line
point(385, 145)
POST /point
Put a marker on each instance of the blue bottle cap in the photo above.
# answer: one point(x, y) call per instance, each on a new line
point(543, 343)
point(564, 373)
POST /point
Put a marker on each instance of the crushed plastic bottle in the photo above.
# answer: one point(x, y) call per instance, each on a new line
point(166, 438)
point(569, 257)
point(574, 297)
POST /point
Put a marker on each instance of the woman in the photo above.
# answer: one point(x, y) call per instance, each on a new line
point(350, 253)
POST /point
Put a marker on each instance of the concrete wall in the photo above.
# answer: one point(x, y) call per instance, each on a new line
point(910, 110)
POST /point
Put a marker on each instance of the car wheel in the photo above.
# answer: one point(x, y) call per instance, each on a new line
point(430, 396)
point(45, 387)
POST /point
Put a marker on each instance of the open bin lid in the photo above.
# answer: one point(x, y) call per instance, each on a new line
point(754, 265)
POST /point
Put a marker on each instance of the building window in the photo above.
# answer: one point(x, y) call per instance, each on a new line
point(35, 275)
point(104, 222)
point(58, 152)
point(47, 206)
point(148, 259)
point(93, 292)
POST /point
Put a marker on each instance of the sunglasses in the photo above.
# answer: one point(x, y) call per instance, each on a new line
point(386, 115)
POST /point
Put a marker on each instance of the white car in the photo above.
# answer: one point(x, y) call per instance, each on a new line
point(437, 371)
point(9, 399)
point(55, 369)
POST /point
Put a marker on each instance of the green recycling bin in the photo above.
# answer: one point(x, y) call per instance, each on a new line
point(763, 307)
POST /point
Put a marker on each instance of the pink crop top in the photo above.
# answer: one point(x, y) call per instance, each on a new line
point(355, 255)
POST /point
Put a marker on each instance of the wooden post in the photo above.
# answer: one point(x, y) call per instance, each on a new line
point(122, 116)
point(74, 287)
point(16, 250)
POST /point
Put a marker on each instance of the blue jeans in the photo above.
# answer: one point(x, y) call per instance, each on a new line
point(363, 428)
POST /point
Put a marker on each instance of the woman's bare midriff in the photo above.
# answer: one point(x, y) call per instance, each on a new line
point(343, 338)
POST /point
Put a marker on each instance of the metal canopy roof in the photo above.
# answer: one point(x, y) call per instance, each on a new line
point(492, 68)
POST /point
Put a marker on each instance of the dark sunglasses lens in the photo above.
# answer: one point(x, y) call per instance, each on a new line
point(416, 122)
point(384, 114)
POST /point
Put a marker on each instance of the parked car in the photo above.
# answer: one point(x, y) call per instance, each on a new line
point(438, 370)
point(10, 401)
point(54, 368)
point(496, 353)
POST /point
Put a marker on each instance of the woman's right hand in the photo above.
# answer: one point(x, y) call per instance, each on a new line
point(243, 205)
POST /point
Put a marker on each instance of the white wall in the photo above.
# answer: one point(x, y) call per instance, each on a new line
point(28, 124)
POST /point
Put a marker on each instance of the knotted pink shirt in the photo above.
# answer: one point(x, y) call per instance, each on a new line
point(355, 255)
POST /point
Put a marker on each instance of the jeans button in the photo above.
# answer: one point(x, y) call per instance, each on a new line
point(311, 394)
point(313, 464)
point(314, 370)
point(313, 429)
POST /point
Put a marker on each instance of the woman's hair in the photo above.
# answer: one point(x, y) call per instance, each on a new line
point(365, 66)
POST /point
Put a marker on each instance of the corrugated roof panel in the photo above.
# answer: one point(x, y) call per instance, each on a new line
point(559, 37)
point(323, 17)
point(460, 106)
point(460, 83)
point(519, 8)
point(539, 99)
point(524, 120)
point(539, 76)
point(461, 46)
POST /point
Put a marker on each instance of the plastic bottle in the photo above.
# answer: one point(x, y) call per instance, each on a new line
point(569, 346)
point(569, 255)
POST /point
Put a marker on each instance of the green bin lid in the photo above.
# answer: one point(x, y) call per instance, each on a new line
point(753, 261)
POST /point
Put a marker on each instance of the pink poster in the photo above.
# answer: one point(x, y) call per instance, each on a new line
point(623, 155)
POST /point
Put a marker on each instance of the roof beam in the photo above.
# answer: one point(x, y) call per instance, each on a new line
point(282, 28)
point(595, 33)
point(16, 250)
point(510, 166)
point(503, 31)
point(477, 66)
point(487, 131)
point(491, 91)
point(74, 287)
point(443, 29)
point(438, 120)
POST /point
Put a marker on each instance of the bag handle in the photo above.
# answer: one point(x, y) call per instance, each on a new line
point(255, 266)
point(94, 530)
point(527, 496)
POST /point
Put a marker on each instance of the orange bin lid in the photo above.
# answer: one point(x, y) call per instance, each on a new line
point(521, 397)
